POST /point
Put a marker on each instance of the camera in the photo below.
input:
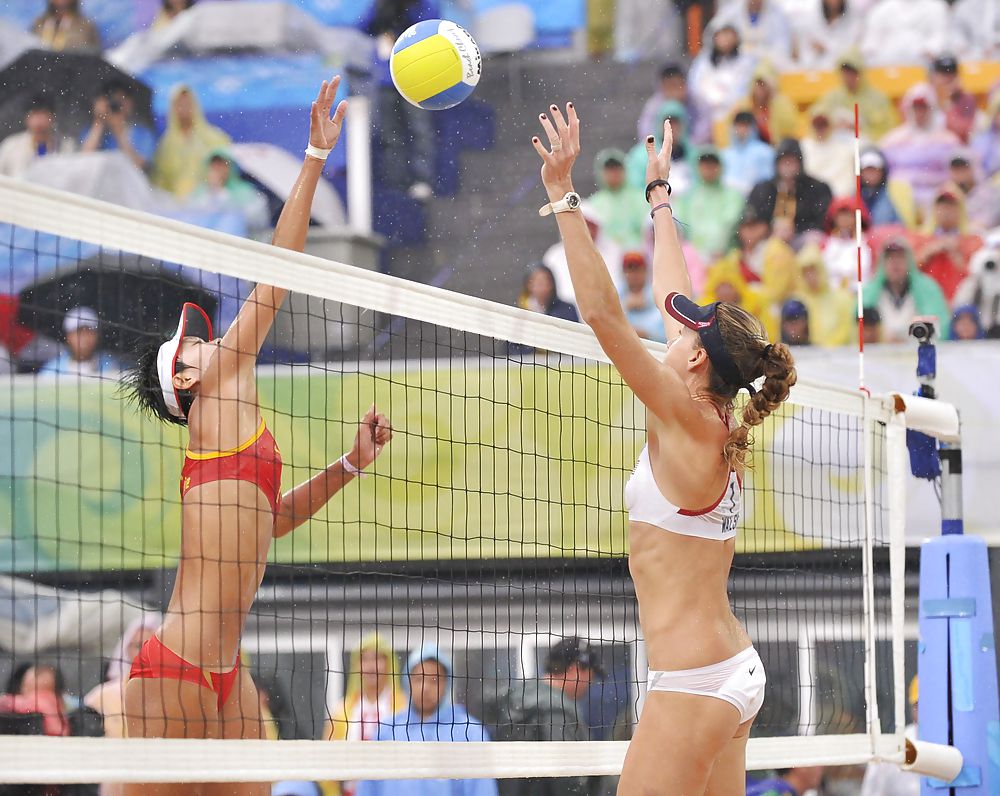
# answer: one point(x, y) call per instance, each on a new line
point(114, 106)
point(990, 265)
point(923, 331)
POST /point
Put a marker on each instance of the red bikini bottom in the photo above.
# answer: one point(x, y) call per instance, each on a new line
point(157, 662)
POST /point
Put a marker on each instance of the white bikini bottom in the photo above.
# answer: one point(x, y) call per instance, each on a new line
point(739, 681)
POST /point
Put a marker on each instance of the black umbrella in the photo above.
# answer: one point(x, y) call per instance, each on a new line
point(134, 297)
point(71, 81)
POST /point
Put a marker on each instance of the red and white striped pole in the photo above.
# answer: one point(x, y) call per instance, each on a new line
point(857, 235)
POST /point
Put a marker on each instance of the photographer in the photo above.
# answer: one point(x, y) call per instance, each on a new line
point(113, 129)
point(548, 709)
point(981, 289)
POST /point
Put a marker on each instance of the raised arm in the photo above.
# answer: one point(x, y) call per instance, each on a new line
point(670, 272)
point(659, 387)
point(244, 338)
point(302, 502)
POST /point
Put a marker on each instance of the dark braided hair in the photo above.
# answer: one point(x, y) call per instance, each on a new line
point(754, 356)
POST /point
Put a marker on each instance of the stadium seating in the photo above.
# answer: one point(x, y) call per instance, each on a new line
point(804, 88)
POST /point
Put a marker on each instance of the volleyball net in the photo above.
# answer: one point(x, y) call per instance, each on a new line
point(492, 529)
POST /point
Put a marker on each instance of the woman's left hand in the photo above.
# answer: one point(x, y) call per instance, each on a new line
point(324, 130)
point(564, 145)
point(374, 433)
point(658, 163)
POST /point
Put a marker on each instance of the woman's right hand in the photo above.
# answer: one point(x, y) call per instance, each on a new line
point(324, 130)
point(658, 163)
point(564, 146)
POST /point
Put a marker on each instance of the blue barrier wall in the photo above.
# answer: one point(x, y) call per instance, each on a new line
point(957, 663)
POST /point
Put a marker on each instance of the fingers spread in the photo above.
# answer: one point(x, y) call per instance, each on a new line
point(574, 125)
point(540, 148)
point(561, 125)
point(668, 136)
point(549, 128)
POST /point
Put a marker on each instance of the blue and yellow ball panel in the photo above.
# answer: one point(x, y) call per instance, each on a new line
point(435, 64)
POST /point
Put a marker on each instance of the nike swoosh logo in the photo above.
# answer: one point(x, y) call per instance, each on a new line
point(753, 670)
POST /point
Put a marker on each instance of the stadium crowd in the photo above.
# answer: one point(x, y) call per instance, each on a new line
point(763, 184)
point(189, 168)
point(764, 191)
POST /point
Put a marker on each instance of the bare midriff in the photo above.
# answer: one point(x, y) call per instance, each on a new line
point(681, 585)
point(227, 528)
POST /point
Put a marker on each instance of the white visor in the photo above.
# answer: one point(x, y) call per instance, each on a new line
point(193, 323)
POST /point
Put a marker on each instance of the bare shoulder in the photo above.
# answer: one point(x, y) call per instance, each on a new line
point(688, 459)
point(705, 432)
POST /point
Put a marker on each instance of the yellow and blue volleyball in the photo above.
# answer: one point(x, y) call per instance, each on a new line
point(435, 64)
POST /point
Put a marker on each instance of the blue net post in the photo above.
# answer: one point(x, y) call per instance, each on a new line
point(956, 661)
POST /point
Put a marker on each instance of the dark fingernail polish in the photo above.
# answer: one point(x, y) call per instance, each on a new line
point(571, 104)
point(534, 140)
point(649, 139)
point(541, 116)
point(553, 107)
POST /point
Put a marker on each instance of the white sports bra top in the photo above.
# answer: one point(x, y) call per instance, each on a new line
point(646, 503)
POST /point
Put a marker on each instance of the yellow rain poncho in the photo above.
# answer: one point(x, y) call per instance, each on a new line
point(179, 161)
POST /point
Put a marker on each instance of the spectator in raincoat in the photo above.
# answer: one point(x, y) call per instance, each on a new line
point(747, 160)
point(900, 293)
point(430, 715)
point(709, 208)
point(373, 696)
point(775, 114)
point(726, 282)
point(877, 115)
point(225, 191)
point(180, 158)
point(888, 200)
point(622, 208)
point(832, 309)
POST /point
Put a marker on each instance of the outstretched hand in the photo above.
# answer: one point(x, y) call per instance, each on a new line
point(373, 435)
point(658, 163)
point(324, 129)
point(564, 145)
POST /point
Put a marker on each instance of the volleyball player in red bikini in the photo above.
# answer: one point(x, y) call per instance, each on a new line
point(186, 681)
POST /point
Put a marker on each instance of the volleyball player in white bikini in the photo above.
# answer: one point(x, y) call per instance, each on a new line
point(706, 682)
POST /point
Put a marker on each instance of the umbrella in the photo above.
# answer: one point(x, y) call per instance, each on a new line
point(134, 297)
point(71, 80)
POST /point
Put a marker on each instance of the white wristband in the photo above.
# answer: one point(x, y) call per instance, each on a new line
point(316, 152)
point(350, 469)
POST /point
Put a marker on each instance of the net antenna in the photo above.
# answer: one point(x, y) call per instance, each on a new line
point(825, 491)
point(860, 242)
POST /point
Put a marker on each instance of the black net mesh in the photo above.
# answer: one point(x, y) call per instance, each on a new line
point(491, 529)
